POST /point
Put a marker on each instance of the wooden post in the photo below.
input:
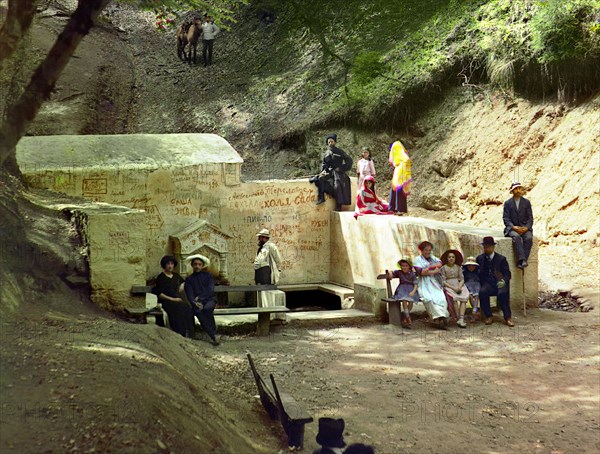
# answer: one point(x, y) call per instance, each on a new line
point(264, 322)
point(395, 313)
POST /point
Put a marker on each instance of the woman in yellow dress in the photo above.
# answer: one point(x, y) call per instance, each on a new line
point(401, 181)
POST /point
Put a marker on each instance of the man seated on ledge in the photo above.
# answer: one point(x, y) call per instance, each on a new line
point(518, 223)
point(333, 179)
point(200, 291)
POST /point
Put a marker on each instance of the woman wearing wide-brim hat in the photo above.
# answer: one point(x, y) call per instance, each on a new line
point(454, 283)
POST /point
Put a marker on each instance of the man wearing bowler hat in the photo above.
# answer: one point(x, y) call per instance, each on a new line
point(518, 223)
point(330, 436)
point(494, 276)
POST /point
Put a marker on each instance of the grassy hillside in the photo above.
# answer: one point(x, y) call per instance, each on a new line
point(378, 63)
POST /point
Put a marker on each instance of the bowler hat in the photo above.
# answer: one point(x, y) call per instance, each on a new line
point(331, 433)
point(514, 186)
point(264, 232)
point(488, 241)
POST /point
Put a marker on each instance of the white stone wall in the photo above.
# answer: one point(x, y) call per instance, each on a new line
point(371, 244)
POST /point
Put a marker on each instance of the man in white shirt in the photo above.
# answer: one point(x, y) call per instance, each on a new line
point(267, 261)
point(209, 33)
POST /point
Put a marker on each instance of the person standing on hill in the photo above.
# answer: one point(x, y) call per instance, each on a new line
point(209, 33)
point(518, 223)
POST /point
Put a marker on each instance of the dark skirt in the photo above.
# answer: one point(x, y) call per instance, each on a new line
point(473, 287)
point(402, 293)
point(397, 201)
point(262, 275)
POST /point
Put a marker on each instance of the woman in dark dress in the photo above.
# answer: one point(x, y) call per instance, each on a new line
point(168, 283)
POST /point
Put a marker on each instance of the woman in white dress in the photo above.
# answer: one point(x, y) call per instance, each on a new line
point(428, 268)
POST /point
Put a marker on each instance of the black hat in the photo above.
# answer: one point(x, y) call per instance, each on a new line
point(331, 433)
point(359, 448)
point(166, 259)
point(331, 136)
point(488, 241)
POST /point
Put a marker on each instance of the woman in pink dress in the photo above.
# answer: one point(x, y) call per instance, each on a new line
point(454, 283)
point(364, 167)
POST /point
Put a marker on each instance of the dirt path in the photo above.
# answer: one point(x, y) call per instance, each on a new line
point(533, 388)
point(90, 384)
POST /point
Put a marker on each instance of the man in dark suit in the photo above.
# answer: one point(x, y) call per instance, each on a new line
point(494, 276)
point(518, 223)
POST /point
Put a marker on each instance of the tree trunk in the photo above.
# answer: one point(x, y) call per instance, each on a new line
point(21, 114)
point(17, 22)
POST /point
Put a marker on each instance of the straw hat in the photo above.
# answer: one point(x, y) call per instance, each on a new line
point(204, 259)
point(457, 254)
point(514, 186)
point(470, 261)
point(407, 261)
point(264, 232)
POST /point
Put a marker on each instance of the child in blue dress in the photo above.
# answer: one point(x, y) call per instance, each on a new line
point(406, 292)
point(471, 275)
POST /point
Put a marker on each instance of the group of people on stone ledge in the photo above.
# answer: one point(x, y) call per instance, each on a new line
point(334, 180)
point(445, 285)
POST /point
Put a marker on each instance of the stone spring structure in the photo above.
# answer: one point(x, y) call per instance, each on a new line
point(183, 194)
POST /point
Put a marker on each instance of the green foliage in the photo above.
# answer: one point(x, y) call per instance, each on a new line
point(367, 66)
point(564, 30)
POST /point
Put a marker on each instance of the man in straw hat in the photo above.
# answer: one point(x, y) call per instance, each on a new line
point(330, 436)
point(267, 260)
point(200, 291)
point(518, 223)
point(494, 276)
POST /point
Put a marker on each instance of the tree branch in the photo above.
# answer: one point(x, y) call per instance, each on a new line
point(18, 20)
point(21, 114)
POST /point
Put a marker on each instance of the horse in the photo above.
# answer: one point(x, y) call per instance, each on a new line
point(188, 34)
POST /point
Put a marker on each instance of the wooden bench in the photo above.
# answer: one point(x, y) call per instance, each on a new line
point(264, 313)
point(394, 309)
point(143, 313)
point(283, 407)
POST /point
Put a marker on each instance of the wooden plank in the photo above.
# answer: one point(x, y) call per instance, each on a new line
point(140, 289)
point(250, 310)
point(244, 288)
